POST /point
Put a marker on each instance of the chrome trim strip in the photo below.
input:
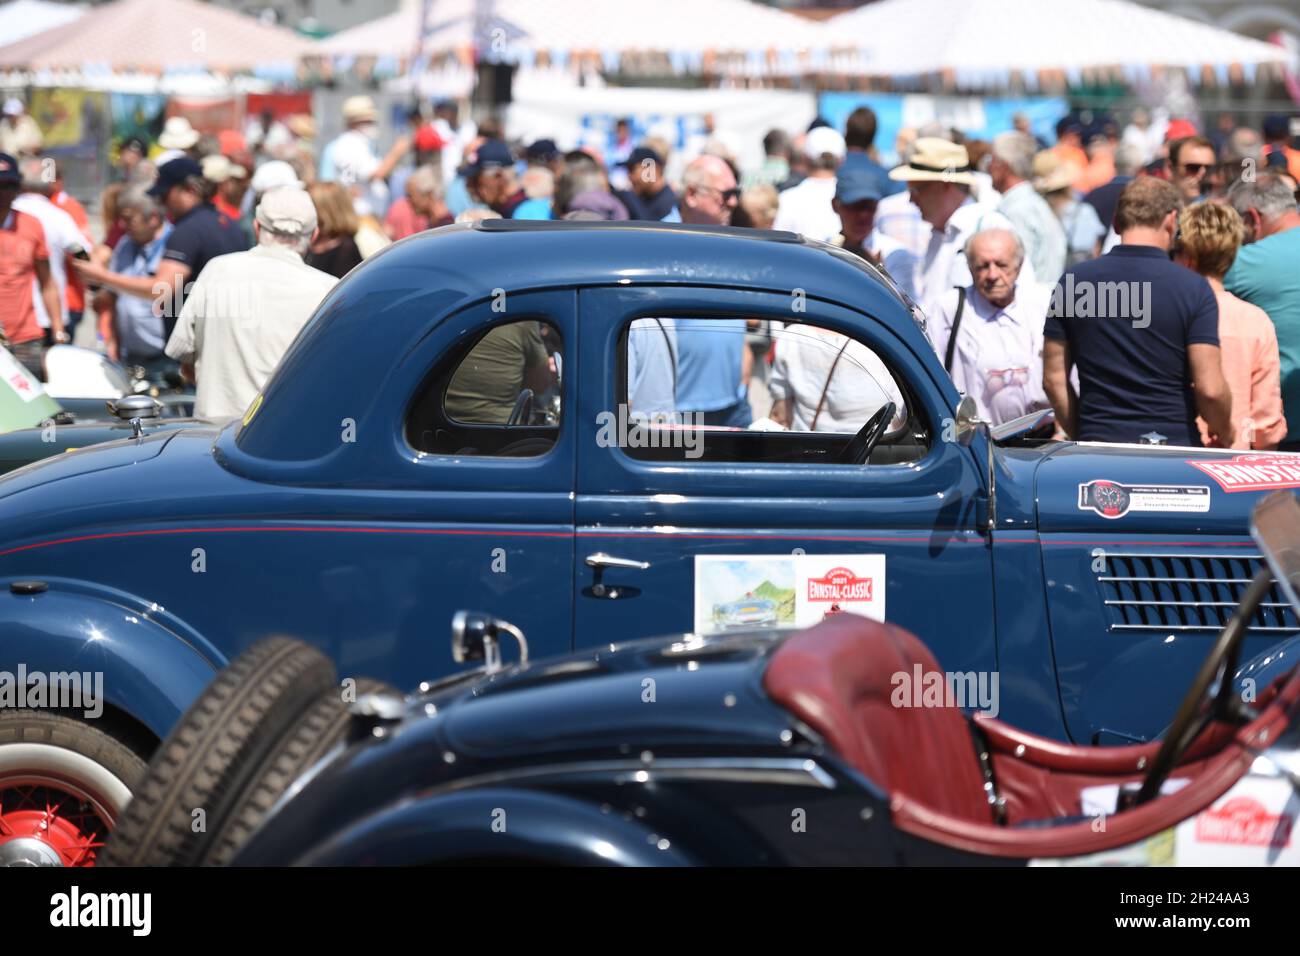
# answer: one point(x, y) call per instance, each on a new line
point(1199, 627)
point(1183, 580)
point(1181, 554)
point(1196, 603)
point(791, 771)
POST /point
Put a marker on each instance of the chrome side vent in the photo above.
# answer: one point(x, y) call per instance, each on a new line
point(1186, 592)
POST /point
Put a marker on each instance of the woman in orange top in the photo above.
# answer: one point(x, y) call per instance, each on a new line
point(1210, 234)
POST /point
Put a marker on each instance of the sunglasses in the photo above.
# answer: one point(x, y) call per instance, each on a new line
point(1192, 169)
point(727, 196)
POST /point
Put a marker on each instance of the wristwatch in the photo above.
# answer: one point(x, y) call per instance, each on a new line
point(63, 338)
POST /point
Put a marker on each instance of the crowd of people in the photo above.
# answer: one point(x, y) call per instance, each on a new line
point(1139, 281)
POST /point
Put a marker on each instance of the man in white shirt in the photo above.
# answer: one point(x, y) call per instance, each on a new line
point(806, 208)
point(246, 307)
point(939, 179)
point(1011, 167)
point(823, 381)
point(62, 237)
point(857, 196)
point(996, 356)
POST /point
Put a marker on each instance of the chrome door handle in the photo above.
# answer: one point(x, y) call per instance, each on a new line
point(598, 563)
point(602, 560)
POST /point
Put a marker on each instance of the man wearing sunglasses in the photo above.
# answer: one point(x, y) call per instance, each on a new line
point(1193, 167)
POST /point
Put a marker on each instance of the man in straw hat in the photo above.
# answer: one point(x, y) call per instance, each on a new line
point(350, 158)
point(939, 179)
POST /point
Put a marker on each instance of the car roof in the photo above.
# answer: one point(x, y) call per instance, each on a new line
point(523, 254)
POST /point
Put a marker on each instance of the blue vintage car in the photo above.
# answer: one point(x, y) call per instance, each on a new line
point(458, 426)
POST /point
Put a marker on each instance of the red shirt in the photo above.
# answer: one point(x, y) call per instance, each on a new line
point(232, 212)
point(403, 221)
point(22, 245)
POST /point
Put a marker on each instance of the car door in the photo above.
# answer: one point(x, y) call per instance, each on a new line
point(747, 532)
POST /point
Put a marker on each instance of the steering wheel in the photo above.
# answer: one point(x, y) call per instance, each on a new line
point(523, 409)
point(1213, 692)
point(860, 446)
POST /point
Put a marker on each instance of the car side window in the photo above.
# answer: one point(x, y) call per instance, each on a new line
point(498, 396)
point(758, 390)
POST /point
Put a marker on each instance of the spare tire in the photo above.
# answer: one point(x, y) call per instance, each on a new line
point(317, 732)
point(214, 751)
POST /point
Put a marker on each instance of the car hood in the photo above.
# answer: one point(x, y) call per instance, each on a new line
point(1091, 487)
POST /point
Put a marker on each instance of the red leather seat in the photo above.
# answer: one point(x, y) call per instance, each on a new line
point(839, 676)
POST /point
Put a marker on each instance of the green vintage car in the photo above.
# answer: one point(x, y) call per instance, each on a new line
point(36, 425)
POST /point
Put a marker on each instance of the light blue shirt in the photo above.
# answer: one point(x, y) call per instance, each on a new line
point(1038, 228)
point(652, 368)
point(708, 364)
point(139, 332)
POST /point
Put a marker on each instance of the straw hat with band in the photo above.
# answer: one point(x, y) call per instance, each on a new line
point(935, 160)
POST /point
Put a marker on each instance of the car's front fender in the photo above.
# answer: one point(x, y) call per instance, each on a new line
point(492, 824)
point(149, 665)
point(1263, 669)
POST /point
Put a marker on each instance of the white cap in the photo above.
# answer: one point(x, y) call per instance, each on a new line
point(287, 209)
point(824, 139)
point(274, 173)
point(13, 106)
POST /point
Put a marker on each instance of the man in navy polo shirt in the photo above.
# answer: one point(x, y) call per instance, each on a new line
point(199, 233)
point(1143, 333)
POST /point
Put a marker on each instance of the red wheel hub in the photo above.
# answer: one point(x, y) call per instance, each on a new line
point(58, 820)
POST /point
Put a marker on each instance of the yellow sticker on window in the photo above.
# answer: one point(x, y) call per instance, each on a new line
point(252, 408)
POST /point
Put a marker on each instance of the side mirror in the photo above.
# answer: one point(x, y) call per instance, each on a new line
point(477, 637)
point(968, 420)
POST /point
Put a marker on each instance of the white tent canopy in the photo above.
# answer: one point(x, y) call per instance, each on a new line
point(687, 33)
point(20, 19)
point(984, 42)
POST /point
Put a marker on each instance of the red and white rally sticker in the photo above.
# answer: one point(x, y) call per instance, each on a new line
point(1253, 472)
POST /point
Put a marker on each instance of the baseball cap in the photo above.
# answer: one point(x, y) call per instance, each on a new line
point(542, 151)
point(427, 138)
point(1277, 126)
point(856, 185)
point(173, 173)
point(1179, 129)
point(640, 155)
point(275, 172)
point(13, 106)
point(287, 209)
point(491, 154)
point(9, 174)
point(824, 139)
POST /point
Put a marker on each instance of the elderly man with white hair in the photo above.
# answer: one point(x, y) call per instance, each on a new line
point(989, 334)
point(247, 307)
point(1011, 167)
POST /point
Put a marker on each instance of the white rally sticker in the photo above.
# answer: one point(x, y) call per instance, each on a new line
point(829, 584)
point(752, 592)
point(24, 383)
point(1111, 499)
point(1253, 824)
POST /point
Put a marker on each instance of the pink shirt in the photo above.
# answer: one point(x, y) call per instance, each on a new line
point(1248, 347)
point(403, 221)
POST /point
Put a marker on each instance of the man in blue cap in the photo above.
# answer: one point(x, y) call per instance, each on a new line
point(650, 198)
point(200, 233)
point(491, 177)
point(857, 193)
